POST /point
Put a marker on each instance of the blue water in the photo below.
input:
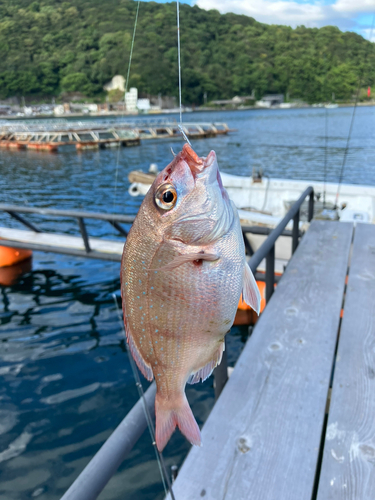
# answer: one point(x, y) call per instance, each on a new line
point(66, 382)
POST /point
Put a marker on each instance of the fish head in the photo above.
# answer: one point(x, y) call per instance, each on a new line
point(189, 202)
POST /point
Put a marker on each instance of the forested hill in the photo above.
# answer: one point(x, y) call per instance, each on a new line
point(50, 46)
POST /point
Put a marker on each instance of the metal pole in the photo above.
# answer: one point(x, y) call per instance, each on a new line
point(25, 222)
point(119, 228)
point(66, 213)
point(221, 373)
point(311, 206)
point(248, 247)
point(82, 228)
point(174, 472)
point(104, 464)
point(270, 241)
point(270, 273)
point(295, 232)
point(113, 257)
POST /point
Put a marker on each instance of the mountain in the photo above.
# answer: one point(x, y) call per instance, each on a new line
point(50, 46)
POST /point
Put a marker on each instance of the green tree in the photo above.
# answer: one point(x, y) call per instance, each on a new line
point(50, 46)
point(75, 82)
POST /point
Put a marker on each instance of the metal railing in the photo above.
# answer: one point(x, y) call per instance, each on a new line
point(267, 251)
point(114, 219)
point(104, 464)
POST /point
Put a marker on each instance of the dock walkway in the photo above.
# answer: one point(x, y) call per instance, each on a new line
point(93, 135)
point(274, 433)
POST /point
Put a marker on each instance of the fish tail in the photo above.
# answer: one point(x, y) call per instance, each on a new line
point(170, 414)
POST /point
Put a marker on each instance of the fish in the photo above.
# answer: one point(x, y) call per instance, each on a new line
point(182, 274)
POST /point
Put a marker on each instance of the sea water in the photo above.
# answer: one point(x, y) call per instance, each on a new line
point(66, 381)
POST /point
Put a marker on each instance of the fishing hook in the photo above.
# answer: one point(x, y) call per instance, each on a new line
point(184, 135)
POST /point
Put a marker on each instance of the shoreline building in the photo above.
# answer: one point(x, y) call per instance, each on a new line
point(131, 99)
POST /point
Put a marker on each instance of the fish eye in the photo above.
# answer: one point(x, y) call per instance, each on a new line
point(166, 196)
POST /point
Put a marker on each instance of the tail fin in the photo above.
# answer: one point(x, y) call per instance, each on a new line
point(170, 414)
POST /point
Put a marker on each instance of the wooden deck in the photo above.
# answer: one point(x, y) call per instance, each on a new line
point(264, 438)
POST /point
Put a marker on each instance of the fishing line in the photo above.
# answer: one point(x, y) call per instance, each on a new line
point(179, 59)
point(159, 456)
point(352, 120)
point(325, 157)
point(325, 142)
point(126, 89)
point(179, 74)
point(131, 50)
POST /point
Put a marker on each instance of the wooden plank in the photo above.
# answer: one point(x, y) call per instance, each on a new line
point(261, 440)
point(348, 469)
point(61, 241)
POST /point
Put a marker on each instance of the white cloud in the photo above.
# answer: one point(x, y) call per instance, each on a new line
point(356, 6)
point(368, 34)
point(313, 13)
point(268, 11)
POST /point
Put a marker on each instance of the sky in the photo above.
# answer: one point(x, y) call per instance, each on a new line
point(348, 15)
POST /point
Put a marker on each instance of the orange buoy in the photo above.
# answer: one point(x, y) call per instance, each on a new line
point(10, 256)
point(9, 275)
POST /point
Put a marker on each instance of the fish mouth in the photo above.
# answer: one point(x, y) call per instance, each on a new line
point(198, 165)
point(195, 163)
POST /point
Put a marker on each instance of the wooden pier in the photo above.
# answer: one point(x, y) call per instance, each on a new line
point(296, 420)
point(94, 135)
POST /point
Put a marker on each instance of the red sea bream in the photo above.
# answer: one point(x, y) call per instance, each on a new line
point(182, 274)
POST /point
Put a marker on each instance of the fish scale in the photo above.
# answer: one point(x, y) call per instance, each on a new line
point(182, 273)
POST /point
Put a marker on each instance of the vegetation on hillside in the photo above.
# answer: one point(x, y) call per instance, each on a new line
point(50, 46)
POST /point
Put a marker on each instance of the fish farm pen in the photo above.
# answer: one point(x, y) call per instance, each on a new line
point(295, 419)
point(94, 135)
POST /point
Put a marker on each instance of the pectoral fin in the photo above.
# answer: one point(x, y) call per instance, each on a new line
point(189, 257)
point(250, 291)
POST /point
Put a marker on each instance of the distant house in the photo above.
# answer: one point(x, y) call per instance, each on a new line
point(131, 99)
point(5, 110)
point(117, 83)
point(144, 105)
point(235, 101)
point(270, 100)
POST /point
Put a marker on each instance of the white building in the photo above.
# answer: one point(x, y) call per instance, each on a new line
point(59, 110)
point(131, 99)
point(270, 100)
point(144, 105)
point(117, 83)
point(263, 104)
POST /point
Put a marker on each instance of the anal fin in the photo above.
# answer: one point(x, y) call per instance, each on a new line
point(144, 367)
point(205, 372)
point(250, 290)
